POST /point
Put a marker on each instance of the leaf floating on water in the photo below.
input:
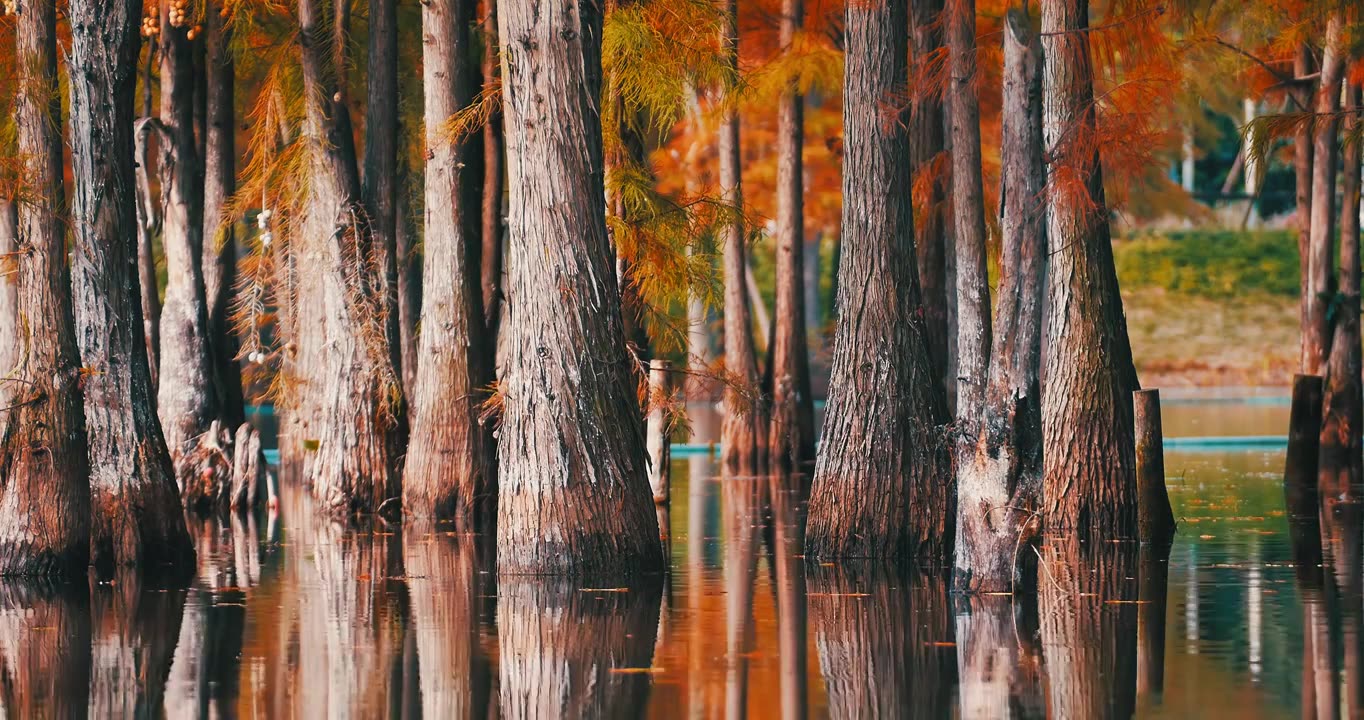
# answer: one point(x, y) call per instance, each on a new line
point(1206, 537)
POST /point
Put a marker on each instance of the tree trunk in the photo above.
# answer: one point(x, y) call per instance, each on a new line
point(968, 214)
point(188, 396)
point(136, 518)
point(492, 185)
point(355, 392)
point(380, 187)
point(220, 182)
point(45, 640)
point(1089, 481)
point(1302, 169)
point(450, 460)
point(743, 437)
point(573, 497)
point(999, 460)
point(1325, 152)
point(148, 225)
point(9, 282)
point(883, 485)
point(409, 285)
point(926, 147)
point(45, 500)
point(1341, 458)
point(791, 439)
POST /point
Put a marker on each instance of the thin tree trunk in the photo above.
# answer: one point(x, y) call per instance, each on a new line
point(999, 460)
point(492, 184)
point(1325, 153)
point(450, 460)
point(743, 437)
point(45, 501)
point(791, 439)
point(579, 503)
point(1343, 406)
point(148, 225)
point(1302, 169)
point(220, 182)
point(1089, 481)
point(380, 185)
point(926, 147)
point(883, 484)
point(9, 283)
point(409, 283)
point(356, 393)
point(136, 518)
point(759, 306)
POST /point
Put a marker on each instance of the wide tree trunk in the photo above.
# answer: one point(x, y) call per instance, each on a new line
point(45, 499)
point(493, 184)
point(380, 185)
point(220, 182)
point(1321, 240)
point(999, 454)
point(743, 437)
point(883, 485)
point(573, 497)
point(1340, 455)
point(450, 459)
point(1302, 171)
point(791, 439)
point(1089, 481)
point(44, 642)
point(188, 396)
point(136, 518)
point(926, 146)
point(353, 393)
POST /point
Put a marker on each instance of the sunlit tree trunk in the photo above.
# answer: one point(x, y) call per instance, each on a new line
point(44, 644)
point(1302, 170)
point(450, 458)
point(1321, 241)
point(883, 485)
point(220, 182)
point(45, 499)
point(1089, 481)
point(999, 454)
point(1340, 459)
point(743, 438)
point(791, 439)
point(136, 518)
point(188, 397)
point(573, 497)
point(926, 147)
point(354, 389)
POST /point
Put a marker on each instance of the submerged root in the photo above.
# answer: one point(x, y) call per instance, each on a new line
point(224, 470)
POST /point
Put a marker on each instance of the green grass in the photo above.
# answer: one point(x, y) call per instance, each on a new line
point(1213, 264)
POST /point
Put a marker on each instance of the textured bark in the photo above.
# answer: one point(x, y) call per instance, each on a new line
point(1089, 484)
point(1088, 621)
point(883, 485)
point(45, 495)
point(132, 628)
point(926, 146)
point(44, 642)
point(409, 287)
point(884, 638)
point(188, 397)
point(968, 215)
point(380, 186)
point(9, 282)
point(1341, 463)
point(491, 211)
point(573, 497)
point(1302, 170)
point(999, 659)
point(353, 390)
point(743, 437)
point(791, 439)
point(1321, 240)
point(450, 459)
point(136, 518)
point(657, 427)
point(219, 257)
point(999, 453)
point(148, 225)
point(1155, 519)
point(566, 652)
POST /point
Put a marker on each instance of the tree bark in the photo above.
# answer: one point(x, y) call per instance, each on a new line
point(45, 500)
point(743, 437)
point(409, 285)
point(999, 661)
point(355, 392)
point(791, 439)
point(1321, 242)
point(573, 498)
point(45, 641)
point(136, 518)
point(148, 225)
point(450, 459)
point(380, 186)
point(1343, 405)
point(999, 453)
point(9, 282)
point(883, 484)
point(188, 396)
point(493, 185)
point(220, 182)
point(1302, 170)
point(1089, 483)
point(926, 146)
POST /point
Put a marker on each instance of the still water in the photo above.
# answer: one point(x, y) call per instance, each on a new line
point(293, 616)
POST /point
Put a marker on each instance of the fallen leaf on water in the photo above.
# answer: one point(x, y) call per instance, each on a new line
point(1206, 537)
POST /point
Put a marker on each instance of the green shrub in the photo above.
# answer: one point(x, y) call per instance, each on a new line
point(1210, 263)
